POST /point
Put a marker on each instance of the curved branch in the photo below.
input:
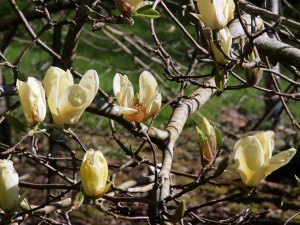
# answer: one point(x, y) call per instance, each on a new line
point(278, 51)
point(103, 108)
point(175, 126)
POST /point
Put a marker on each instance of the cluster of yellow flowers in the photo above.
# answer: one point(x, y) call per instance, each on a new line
point(67, 101)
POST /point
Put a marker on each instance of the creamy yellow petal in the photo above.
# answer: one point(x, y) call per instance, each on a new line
point(23, 91)
point(90, 81)
point(148, 89)
point(225, 41)
point(100, 162)
point(70, 105)
point(88, 155)
point(212, 13)
point(278, 161)
point(123, 90)
point(249, 159)
point(56, 81)
point(89, 178)
point(154, 107)
point(102, 191)
point(266, 140)
point(125, 110)
point(230, 10)
point(65, 80)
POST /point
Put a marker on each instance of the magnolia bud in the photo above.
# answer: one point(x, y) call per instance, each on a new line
point(224, 40)
point(94, 173)
point(253, 75)
point(9, 190)
point(33, 101)
point(128, 7)
point(207, 141)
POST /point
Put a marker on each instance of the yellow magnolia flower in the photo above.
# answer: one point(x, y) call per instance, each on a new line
point(67, 101)
point(128, 7)
point(225, 40)
point(94, 172)
point(215, 13)
point(141, 106)
point(9, 190)
point(253, 157)
point(33, 101)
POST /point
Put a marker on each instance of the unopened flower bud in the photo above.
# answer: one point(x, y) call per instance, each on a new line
point(33, 101)
point(94, 173)
point(224, 41)
point(9, 190)
point(129, 7)
point(253, 75)
point(207, 142)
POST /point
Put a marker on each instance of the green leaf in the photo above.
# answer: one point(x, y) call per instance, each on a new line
point(149, 13)
point(205, 127)
point(202, 139)
point(219, 80)
point(219, 137)
point(79, 198)
point(15, 123)
point(222, 167)
point(179, 212)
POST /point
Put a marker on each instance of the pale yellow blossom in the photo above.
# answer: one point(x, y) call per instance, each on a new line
point(94, 173)
point(215, 13)
point(253, 157)
point(140, 106)
point(67, 101)
point(9, 190)
point(33, 101)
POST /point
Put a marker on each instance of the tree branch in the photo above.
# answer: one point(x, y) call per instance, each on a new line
point(72, 37)
point(267, 15)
